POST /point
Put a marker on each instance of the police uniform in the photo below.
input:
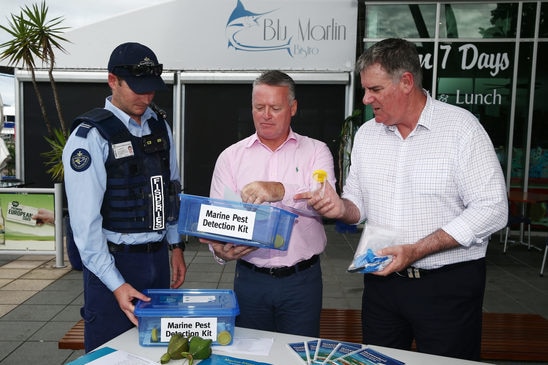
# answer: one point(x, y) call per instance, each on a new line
point(121, 236)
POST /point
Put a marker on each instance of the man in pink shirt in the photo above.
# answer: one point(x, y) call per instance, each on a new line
point(277, 290)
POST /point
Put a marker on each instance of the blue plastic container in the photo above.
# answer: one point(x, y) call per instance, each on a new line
point(262, 225)
point(208, 313)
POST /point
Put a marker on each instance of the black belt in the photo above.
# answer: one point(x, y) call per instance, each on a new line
point(281, 272)
point(416, 273)
point(140, 248)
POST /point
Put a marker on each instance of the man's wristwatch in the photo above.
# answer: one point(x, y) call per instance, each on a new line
point(180, 245)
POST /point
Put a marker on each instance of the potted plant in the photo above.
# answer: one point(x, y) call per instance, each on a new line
point(346, 139)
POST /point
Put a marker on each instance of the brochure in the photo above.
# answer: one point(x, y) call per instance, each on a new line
point(341, 350)
point(311, 348)
point(324, 349)
point(301, 350)
point(366, 356)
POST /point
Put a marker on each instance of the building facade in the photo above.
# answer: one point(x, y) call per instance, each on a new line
point(487, 57)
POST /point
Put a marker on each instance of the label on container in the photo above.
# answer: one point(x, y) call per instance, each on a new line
point(198, 298)
point(205, 327)
point(21, 213)
point(226, 221)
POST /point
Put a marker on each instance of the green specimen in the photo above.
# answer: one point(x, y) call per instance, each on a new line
point(178, 344)
point(180, 347)
point(199, 348)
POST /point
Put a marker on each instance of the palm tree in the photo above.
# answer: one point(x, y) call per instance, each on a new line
point(36, 38)
point(21, 50)
point(47, 36)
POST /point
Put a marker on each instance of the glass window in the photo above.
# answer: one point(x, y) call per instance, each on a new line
point(481, 20)
point(543, 30)
point(426, 54)
point(528, 17)
point(475, 69)
point(477, 76)
point(538, 170)
point(519, 142)
point(402, 21)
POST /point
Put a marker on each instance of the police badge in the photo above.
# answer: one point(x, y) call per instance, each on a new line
point(80, 160)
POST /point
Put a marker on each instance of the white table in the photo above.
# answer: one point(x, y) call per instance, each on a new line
point(280, 354)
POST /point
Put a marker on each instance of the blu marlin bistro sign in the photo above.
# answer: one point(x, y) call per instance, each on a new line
point(289, 35)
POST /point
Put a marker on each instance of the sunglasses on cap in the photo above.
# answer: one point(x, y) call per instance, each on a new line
point(142, 70)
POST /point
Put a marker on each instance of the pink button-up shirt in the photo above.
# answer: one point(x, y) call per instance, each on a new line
point(292, 164)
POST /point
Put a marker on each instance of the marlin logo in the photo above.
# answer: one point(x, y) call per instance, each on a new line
point(239, 31)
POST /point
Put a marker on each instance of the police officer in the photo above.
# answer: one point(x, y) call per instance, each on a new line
point(122, 184)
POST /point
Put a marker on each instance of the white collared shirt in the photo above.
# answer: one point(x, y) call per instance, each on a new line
point(445, 174)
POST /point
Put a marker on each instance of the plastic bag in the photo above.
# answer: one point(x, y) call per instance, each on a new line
point(373, 238)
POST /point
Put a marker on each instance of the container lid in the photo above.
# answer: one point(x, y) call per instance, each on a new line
point(188, 302)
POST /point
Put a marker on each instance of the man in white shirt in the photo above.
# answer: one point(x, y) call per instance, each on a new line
point(427, 171)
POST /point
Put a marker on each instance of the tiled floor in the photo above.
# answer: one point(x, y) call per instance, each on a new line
point(39, 302)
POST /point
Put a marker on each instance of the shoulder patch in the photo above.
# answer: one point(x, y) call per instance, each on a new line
point(80, 160)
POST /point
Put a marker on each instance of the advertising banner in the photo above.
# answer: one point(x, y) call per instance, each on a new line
point(27, 222)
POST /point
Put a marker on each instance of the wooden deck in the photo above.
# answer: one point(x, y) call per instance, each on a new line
point(505, 336)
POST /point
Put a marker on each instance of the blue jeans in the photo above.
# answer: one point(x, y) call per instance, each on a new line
point(291, 304)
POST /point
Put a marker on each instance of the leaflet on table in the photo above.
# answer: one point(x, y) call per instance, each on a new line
point(311, 348)
point(330, 352)
point(365, 356)
point(301, 350)
point(215, 359)
point(325, 348)
point(342, 349)
point(110, 356)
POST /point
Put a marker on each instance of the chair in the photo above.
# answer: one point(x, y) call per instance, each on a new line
point(538, 217)
point(544, 259)
point(514, 220)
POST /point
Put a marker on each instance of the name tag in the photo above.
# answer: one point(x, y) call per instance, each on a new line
point(124, 149)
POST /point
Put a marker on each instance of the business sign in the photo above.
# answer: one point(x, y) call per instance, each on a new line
point(472, 74)
point(227, 35)
point(487, 59)
point(265, 34)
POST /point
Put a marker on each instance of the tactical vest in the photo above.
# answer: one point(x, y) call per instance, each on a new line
point(139, 195)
